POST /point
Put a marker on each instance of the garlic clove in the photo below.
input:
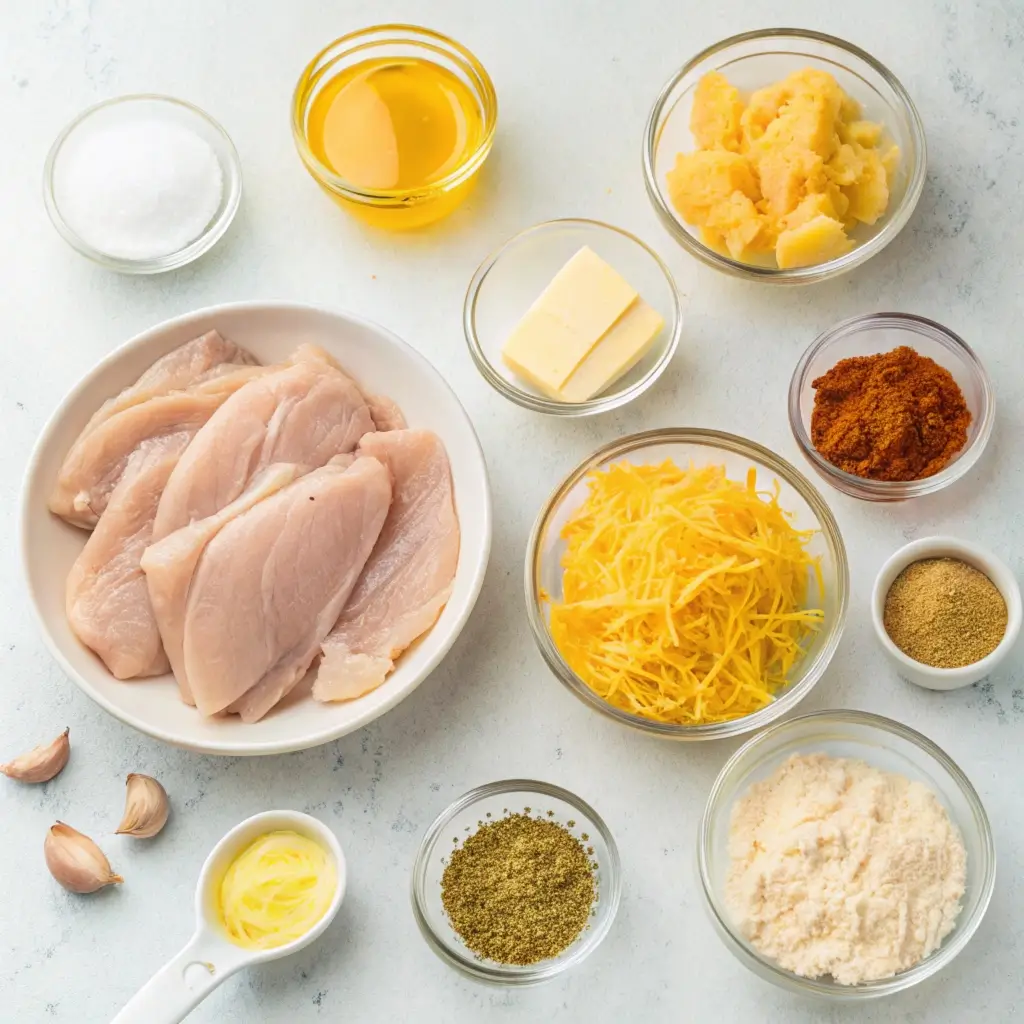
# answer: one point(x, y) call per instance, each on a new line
point(145, 808)
point(76, 861)
point(41, 763)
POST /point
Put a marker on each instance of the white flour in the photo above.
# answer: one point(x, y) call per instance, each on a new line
point(840, 869)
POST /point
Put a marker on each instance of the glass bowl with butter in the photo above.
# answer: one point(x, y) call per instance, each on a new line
point(572, 317)
point(784, 156)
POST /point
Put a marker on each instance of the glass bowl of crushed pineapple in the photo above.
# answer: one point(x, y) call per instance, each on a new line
point(784, 156)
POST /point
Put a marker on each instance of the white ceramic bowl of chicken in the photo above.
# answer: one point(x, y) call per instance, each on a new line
point(382, 364)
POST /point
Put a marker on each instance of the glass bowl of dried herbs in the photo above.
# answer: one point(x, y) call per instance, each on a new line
point(516, 882)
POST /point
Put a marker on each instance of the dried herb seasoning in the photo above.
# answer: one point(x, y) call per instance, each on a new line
point(519, 890)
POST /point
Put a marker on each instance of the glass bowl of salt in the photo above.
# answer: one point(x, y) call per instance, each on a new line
point(142, 184)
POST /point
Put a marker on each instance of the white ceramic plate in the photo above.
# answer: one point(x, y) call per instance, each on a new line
point(382, 364)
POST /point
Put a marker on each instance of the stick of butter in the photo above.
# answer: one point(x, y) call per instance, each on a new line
point(586, 330)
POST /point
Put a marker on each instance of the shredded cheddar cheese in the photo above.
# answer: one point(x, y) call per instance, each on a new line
point(683, 592)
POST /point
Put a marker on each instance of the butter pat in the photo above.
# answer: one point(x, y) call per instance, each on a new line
point(586, 330)
point(575, 311)
point(622, 347)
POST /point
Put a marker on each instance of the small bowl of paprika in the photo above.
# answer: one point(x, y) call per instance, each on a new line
point(890, 406)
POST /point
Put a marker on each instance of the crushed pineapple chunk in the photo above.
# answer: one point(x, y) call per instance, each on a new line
point(869, 194)
point(819, 205)
point(820, 239)
point(736, 225)
point(864, 133)
point(701, 180)
point(717, 109)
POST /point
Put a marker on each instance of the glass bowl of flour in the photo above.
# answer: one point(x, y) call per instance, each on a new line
point(142, 184)
point(844, 855)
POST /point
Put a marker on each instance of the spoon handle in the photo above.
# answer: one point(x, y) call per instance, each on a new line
point(180, 985)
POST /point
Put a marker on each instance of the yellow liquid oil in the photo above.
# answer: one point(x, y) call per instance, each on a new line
point(394, 124)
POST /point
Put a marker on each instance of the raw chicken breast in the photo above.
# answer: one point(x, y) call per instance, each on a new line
point(107, 601)
point(272, 582)
point(308, 353)
point(408, 579)
point(385, 413)
point(305, 414)
point(170, 563)
point(94, 465)
point(204, 357)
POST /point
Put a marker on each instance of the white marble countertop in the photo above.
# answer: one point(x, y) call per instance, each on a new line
point(575, 85)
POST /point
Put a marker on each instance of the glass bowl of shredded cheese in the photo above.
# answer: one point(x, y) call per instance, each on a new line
point(686, 582)
point(905, 756)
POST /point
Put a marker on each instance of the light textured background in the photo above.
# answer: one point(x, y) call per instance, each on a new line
point(575, 82)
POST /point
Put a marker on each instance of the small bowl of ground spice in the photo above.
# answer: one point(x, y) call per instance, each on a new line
point(516, 882)
point(891, 406)
point(946, 612)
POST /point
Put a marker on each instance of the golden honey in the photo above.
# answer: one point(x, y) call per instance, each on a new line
point(396, 137)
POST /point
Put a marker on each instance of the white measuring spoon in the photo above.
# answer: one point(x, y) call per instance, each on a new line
point(210, 956)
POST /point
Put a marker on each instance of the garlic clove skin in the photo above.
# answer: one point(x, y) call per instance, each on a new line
point(41, 763)
point(145, 809)
point(76, 861)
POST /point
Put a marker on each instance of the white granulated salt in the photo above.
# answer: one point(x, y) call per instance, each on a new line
point(838, 868)
point(137, 188)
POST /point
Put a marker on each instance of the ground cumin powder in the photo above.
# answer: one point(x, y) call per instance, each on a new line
point(944, 613)
point(893, 416)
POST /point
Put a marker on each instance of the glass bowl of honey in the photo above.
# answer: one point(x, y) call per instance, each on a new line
point(395, 122)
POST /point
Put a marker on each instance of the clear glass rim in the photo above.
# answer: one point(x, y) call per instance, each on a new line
point(892, 490)
point(518, 976)
point(158, 264)
point(963, 931)
point(736, 445)
point(538, 403)
point(796, 275)
point(432, 42)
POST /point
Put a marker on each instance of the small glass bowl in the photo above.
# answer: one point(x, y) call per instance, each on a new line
point(756, 59)
point(166, 108)
point(887, 745)
point(545, 549)
point(395, 209)
point(490, 803)
point(513, 277)
point(871, 334)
